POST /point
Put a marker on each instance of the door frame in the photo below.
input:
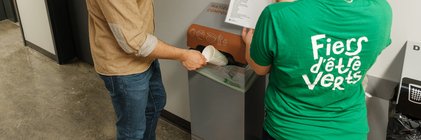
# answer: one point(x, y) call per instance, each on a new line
point(3, 15)
point(8, 9)
point(20, 23)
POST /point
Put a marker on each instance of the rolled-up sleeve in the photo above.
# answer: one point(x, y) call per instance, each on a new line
point(127, 24)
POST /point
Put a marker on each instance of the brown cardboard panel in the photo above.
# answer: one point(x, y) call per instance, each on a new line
point(223, 41)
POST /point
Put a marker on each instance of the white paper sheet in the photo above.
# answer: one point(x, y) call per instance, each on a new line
point(245, 12)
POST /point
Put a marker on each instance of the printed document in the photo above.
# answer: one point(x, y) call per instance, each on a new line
point(245, 12)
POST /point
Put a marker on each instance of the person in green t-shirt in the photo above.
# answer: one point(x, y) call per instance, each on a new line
point(317, 53)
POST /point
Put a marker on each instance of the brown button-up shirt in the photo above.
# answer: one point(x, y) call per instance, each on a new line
point(120, 34)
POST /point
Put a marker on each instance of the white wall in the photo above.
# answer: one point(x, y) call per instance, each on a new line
point(406, 26)
point(173, 17)
point(35, 23)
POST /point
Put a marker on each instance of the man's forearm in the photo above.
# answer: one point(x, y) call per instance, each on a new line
point(165, 51)
point(191, 59)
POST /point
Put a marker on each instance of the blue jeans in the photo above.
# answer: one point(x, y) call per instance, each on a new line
point(138, 100)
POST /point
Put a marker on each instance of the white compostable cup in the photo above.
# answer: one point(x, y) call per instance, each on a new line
point(213, 56)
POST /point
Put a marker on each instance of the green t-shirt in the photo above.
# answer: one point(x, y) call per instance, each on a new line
point(320, 51)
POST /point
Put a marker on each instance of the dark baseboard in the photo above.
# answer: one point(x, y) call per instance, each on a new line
point(177, 121)
point(42, 51)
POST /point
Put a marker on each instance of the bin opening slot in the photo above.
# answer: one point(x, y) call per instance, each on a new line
point(231, 60)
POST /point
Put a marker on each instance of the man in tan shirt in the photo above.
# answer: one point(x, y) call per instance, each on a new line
point(125, 54)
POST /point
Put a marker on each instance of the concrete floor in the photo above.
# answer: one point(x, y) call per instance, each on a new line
point(41, 100)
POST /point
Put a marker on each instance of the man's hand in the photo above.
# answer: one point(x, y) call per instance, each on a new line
point(192, 59)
